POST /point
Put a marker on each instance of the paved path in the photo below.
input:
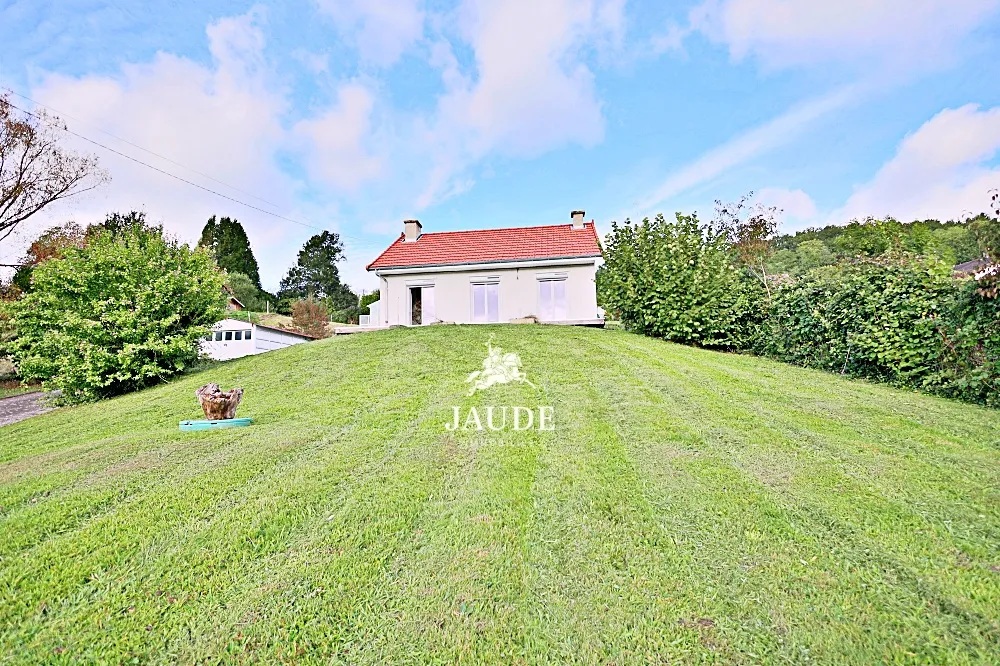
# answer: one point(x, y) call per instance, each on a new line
point(20, 407)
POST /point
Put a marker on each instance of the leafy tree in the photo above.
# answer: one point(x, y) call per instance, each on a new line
point(987, 229)
point(49, 245)
point(126, 224)
point(53, 242)
point(367, 300)
point(954, 243)
point(678, 280)
point(342, 299)
point(750, 231)
point(806, 256)
point(229, 244)
point(870, 237)
point(315, 272)
point(34, 170)
point(247, 293)
point(310, 316)
point(126, 310)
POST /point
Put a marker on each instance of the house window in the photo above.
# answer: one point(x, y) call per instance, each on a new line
point(486, 302)
point(229, 335)
point(246, 335)
point(239, 335)
point(552, 300)
point(218, 336)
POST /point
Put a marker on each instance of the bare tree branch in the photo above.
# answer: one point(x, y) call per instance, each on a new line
point(34, 170)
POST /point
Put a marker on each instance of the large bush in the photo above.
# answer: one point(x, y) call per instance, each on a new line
point(678, 280)
point(898, 319)
point(123, 312)
point(310, 316)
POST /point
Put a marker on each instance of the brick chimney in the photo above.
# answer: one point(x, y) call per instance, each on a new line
point(577, 217)
point(411, 230)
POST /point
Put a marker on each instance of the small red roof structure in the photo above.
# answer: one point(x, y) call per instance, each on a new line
point(488, 246)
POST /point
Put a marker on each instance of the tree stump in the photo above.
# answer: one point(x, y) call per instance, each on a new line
point(217, 404)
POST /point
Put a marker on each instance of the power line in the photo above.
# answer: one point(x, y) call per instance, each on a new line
point(179, 178)
point(135, 145)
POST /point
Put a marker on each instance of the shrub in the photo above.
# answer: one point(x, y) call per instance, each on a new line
point(898, 319)
point(310, 316)
point(123, 312)
point(969, 367)
point(347, 315)
point(367, 300)
point(680, 281)
point(875, 318)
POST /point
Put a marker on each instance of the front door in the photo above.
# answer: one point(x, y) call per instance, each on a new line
point(422, 306)
point(416, 306)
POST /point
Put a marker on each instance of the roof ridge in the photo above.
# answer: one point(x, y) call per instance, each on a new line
point(391, 245)
point(524, 243)
point(479, 231)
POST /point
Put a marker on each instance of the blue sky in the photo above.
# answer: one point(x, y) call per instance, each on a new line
point(353, 115)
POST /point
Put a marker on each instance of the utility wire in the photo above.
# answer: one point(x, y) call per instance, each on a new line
point(176, 177)
point(135, 145)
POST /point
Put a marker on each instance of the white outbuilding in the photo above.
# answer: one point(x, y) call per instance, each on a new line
point(232, 338)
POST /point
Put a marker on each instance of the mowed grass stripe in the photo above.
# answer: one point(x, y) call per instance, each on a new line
point(691, 507)
point(884, 534)
point(179, 505)
point(91, 490)
point(765, 566)
point(161, 448)
point(961, 490)
point(346, 590)
point(610, 582)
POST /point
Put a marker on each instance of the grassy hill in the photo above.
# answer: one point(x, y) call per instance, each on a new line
point(689, 507)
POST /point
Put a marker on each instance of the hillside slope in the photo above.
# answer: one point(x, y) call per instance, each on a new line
point(689, 506)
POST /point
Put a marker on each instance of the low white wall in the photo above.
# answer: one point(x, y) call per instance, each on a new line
point(261, 340)
point(268, 339)
point(518, 293)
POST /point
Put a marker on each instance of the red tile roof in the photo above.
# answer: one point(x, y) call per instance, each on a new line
point(560, 241)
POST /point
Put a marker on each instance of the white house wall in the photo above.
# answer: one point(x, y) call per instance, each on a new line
point(223, 350)
point(518, 292)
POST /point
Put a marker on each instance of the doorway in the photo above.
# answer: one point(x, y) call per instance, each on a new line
point(416, 306)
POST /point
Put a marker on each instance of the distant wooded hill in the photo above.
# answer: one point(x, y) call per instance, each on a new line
point(951, 241)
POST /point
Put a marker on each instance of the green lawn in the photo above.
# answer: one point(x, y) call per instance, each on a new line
point(690, 507)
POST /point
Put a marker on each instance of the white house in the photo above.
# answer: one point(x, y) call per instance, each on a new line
point(232, 338)
point(492, 275)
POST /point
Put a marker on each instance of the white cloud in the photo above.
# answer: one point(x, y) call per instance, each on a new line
point(940, 171)
point(672, 39)
point(796, 206)
point(222, 119)
point(531, 91)
point(315, 63)
point(381, 29)
point(786, 33)
point(747, 146)
point(334, 141)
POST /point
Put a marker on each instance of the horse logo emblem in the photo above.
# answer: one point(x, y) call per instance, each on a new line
point(498, 368)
